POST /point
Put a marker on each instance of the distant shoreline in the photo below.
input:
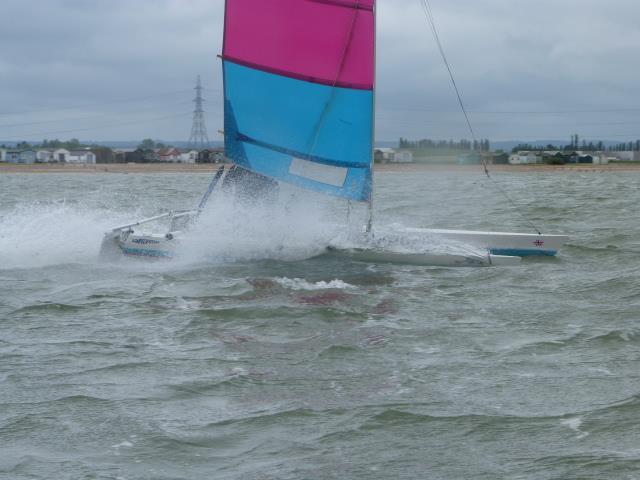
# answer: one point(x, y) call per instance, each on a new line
point(126, 168)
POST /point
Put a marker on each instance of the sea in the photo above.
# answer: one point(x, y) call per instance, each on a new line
point(255, 355)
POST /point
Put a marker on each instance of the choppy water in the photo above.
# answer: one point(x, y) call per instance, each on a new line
point(247, 361)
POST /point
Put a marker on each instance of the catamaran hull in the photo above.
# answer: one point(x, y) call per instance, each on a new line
point(501, 243)
point(138, 245)
point(427, 259)
point(503, 249)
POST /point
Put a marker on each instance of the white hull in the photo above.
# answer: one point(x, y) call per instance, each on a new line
point(502, 243)
point(427, 259)
point(503, 249)
point(494, 248)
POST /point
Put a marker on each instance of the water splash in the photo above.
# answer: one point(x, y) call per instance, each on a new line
point(292, 228)
point(297, 226)
point(39, 235)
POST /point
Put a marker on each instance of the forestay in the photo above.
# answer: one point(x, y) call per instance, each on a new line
point(299, 91)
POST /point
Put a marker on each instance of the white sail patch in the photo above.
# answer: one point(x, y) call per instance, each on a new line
point(327, 174)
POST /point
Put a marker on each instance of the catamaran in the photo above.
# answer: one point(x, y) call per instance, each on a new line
point(299, 104)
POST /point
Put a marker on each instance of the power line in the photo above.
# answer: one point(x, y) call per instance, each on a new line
point(513, 112)
point(135, 122)
point(102, 115)
point(111, 102)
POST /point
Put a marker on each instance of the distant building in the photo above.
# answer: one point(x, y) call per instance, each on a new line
point(82, 156)
point(626, 156)
point(12, 156)
point(134, 156)
point(44, 156)
point(120, 154)
point(211, 155)
point(3, 154)
point(190, 156)
point(383, 155)
point(391, 155)
point(142, 156)
point(22, 156)
point(169, 155)
point(61, 155)
point(402, 156)
point(525, 158)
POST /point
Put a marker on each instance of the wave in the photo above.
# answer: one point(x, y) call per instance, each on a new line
point(301, 284)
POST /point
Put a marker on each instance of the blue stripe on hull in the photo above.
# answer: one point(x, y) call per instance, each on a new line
point(269, 119)
point(523, 252)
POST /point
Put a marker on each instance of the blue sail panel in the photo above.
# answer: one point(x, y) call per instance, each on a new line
point(308, 134)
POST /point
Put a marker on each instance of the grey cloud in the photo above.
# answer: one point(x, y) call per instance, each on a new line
point(507, 55)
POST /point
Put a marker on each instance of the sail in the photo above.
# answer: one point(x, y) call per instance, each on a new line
point(299, 91)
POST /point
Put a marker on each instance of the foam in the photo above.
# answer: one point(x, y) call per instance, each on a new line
point(301, 284)
point(40, 235)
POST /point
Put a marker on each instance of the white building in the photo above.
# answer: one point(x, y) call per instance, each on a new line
point(44, 156)
point(170, 155)
point(402, 156)
point(61, 155)
point(627, 156)
point(391, 155)
point(82, 156)
point(524, 158)
point(3, 155)
point(189, 157)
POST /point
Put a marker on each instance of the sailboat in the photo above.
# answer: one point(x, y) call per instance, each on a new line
point(299, 108)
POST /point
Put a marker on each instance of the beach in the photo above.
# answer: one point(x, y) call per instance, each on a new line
point(389, 167)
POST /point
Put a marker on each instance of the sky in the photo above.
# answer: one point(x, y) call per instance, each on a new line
point(125, 69)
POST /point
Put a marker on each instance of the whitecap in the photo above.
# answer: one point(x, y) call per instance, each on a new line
point(125, 444)
point(574, 423)
point(302, 284)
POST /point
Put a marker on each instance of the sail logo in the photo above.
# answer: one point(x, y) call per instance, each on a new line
point(318, 172)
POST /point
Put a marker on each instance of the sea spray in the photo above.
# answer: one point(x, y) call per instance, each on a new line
point(38, 235)
point(293, 227)
point(296, 226)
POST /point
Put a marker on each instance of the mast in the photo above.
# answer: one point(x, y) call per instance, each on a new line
point(369, 225)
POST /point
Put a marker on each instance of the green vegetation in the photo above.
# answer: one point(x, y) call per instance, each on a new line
point(577, 145)
point(150, 144)
point(426, 144)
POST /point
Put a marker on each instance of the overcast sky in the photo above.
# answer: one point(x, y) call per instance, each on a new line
point(125, 69)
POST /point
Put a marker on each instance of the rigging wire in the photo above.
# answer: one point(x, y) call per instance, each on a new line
point(514, 112)
point(426, 7)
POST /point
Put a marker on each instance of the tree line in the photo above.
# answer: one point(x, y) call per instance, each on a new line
point(575, 145)
point(482, 145)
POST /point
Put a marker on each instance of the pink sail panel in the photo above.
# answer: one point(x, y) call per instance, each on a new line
point(323, 41)
point(364, 4)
